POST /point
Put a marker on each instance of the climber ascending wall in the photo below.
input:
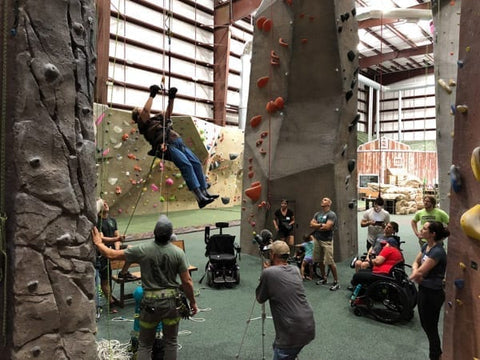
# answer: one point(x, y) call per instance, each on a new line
point(168, 145)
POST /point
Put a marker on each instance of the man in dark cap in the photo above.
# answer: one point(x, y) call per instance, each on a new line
point(382, 263)
point(160, 263)
point(282, 285)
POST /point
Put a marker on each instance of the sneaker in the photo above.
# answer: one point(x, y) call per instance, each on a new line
point(335, 286)
point(126, 276)
point(321, 281)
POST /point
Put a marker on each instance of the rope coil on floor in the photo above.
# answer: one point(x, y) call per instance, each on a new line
point(113, 350)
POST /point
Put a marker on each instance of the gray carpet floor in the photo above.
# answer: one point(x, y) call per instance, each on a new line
point(230, 325)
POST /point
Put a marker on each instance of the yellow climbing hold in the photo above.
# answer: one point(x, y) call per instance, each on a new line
point(462, 265)
point(475, 163)
point(470, 222)
point(444, 86)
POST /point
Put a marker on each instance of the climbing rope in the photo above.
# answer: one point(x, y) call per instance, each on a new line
point(3, 215)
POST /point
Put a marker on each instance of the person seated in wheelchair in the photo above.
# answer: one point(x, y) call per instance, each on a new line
point(380, 264)
point(390, 231)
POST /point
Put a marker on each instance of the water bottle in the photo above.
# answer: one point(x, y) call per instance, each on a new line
point(355, 292)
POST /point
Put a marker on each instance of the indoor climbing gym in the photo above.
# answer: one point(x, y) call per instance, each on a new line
point(239, 179)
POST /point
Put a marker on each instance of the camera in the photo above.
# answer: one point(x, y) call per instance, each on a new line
point(263, 240)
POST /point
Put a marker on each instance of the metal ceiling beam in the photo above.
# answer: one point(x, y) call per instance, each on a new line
point(103, 39)
point(226, 13)
point(378, 59)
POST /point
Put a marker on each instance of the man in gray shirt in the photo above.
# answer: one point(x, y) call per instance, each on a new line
point(282, 285)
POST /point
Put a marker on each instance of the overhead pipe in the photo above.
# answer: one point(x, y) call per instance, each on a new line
point(404, 14)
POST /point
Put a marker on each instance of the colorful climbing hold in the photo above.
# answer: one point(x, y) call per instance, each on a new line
point(455, 178)
point(270, 107)
point(282, 42)
point(475, 163)
point(255, 121)
point(444, 86)
point(264, 134)
point(279, 103)
point(125, 137)
point(262, 82)
point(169, 181)
point(470, 222)
point(260, 21)
point(267, 25)
point(254, 192)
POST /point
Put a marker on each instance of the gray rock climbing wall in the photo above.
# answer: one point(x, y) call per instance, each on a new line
point(446, 16)
point(300, 132)
point(461, 333)
point(51, 180)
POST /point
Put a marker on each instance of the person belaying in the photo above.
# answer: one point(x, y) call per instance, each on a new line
point(168, 144)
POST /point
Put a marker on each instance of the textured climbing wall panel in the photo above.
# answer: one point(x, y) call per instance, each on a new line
point(446, 16)
point(461, 334)
point(300, 132)
point(51, 180)
point(124, 166)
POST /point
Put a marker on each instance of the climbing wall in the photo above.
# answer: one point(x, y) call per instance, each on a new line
point(461, 334)
point(446, 17)
point(133, 182)
point(300, 137)
point(49, 312)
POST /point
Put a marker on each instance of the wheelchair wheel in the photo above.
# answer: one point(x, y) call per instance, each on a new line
point(209, 278)
point(388, 302)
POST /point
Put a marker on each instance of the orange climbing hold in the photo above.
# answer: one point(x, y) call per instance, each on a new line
point(255, 121)
point(267, 25)
point(264, 134)
point(250, 174)
point(282, 42)
point(304, 40)
point(118, 190)
point(270, 107)
point(279, 103)
point(262, 82)
point(260, 22)
point(254, 192)
point(137, 168)
point(125, 137)
point(131, 156)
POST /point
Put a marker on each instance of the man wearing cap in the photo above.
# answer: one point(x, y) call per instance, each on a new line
point(160, 263)
point(282, 285)
point(380, 264)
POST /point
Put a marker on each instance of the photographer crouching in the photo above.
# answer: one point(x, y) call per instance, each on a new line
point(282, 285)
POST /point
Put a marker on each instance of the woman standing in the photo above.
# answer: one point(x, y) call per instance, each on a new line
point(428, 271)
point(284, 219)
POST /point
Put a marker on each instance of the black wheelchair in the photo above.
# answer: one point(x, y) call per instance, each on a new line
point(389, 298)
point(222, 252)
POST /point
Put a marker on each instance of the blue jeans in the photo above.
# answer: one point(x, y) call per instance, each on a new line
point(188, 163)
point(286, 354)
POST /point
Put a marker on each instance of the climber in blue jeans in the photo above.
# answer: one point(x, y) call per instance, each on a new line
point(167, 144)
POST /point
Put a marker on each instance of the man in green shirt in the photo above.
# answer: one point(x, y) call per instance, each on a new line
point(428, 214)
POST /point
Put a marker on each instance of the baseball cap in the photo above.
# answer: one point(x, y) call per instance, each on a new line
point(163, 228)
point(390, 241)
point(280, 248)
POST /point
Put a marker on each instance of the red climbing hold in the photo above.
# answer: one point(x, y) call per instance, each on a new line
point(262, 82)
point(260, 22)
point(270, 107)
point(254, 192)
point(279, 103)
point(267, 25)
point(255, 121)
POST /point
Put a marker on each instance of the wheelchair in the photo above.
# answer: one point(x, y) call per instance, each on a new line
point(389, 298)
point(222, 252)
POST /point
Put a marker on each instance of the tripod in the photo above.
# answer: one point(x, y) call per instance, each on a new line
point(263, 317)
